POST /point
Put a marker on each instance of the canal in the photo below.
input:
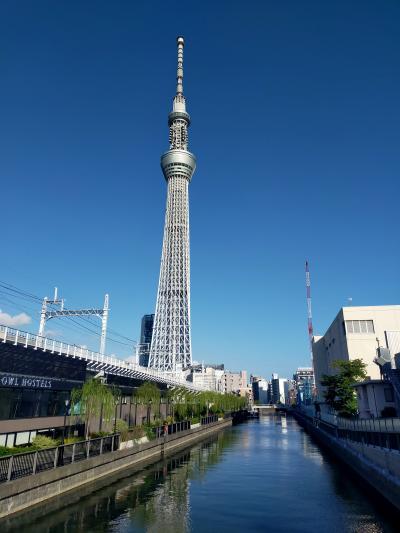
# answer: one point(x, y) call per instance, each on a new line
point(265, 475)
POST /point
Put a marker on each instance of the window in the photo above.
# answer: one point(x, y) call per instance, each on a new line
point(388, 392)
point(360, 326)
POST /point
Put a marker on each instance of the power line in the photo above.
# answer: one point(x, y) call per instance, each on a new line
point(26, 296)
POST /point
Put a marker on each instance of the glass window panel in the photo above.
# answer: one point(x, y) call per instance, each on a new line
point(6, 401)
point(3, 439)
point(10, 440)
point(370, 326)
point(22, 438)
point(27, 404)
point(356, 326)
point(363, 324)
point(349, 325)
point(44, 403)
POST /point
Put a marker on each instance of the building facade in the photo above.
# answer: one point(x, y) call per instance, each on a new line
point(280, 390)
point(376, 399)
point(232, 382)
point(146, 334)
point(356, 333)
point(304, 385)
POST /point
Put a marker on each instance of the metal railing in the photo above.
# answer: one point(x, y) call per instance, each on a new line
point(30, 463)
point(95, 360)
point(176, 427)
point(208, 419)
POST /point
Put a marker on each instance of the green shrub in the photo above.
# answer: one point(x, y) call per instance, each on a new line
point(12, 451)
point(122, 428)
point(72, 440)
point(195, 420)
point(149, 432)
point(99, 434)
point(136, 432)
point(41, 441)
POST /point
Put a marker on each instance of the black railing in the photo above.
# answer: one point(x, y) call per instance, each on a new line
point(176, 427)
point(209, 419)
point(29, 463)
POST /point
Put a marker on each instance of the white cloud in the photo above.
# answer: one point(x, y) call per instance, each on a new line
point(14, 321)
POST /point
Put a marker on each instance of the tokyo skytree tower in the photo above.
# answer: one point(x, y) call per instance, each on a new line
point(170, 348)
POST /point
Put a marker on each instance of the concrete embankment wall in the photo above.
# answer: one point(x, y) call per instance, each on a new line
point(31, 490)
point(379, 467)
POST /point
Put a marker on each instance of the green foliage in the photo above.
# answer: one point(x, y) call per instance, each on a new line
point(95, 399)
point(41, 441)
point(136, 433)
point(148, 430)
point(122, 428)
point(147, 393)
point(99, 434)
point(13, 451)
point(339, 393)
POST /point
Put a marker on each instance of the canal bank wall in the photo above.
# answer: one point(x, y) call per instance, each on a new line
point(380, 468)
point(26, 492)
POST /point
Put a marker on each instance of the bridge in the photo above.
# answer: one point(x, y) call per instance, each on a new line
point(96, 362)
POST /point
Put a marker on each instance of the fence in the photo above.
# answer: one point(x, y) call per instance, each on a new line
point(209, 419)
point(378, 432)
point(25, 464)
point(172, 428)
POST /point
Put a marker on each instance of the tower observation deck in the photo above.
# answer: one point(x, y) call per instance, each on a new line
point(171, 342)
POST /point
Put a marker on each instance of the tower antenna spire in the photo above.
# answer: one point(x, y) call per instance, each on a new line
point(309, 311)
point(179, 71)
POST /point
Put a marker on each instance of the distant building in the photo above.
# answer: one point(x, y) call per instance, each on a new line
point(355, 334)
point(254, 381)
point(146, 333)
point(280, 389)
point(263, 391)
point(205, 377)
point(303, 386)
point(233, 381)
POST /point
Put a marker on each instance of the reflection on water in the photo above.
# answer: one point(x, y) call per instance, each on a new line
point(259, 476)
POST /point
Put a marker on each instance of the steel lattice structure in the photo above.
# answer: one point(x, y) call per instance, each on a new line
point(170, 348)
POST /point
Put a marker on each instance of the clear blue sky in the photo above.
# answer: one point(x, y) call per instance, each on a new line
point(296, 127)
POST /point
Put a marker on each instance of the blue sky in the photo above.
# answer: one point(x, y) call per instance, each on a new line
point(296, 128)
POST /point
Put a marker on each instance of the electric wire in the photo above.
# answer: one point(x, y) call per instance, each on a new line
point(28, 297)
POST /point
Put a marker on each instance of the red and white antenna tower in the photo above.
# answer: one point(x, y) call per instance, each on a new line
point(309, 312)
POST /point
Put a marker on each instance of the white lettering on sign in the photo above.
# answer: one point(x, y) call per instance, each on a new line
point(32, 383)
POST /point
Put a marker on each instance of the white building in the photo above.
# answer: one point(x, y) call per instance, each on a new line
point(263, 391)
point(356, 333)
point(233, 381)
point(280, 389)
point(375, 398)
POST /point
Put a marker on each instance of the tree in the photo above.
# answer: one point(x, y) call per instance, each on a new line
point(148, 394)
point(94, 399)
point(340, 393)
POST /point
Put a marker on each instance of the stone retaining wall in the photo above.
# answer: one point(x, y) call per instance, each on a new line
point(380, 468)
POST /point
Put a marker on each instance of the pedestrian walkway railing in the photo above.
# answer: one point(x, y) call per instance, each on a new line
point(209, 419)
point(176, 427)
point(389, 425)
point(28, 463)
point(379, 432)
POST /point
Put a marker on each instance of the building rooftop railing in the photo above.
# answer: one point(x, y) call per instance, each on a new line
point(95, 360)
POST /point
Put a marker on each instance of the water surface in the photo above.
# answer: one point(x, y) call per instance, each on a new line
point(265, 475)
